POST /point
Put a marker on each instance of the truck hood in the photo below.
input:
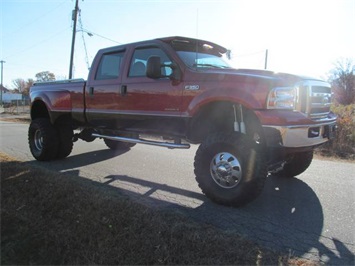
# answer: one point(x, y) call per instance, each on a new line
point(246, 86)
point(273, 75)
point(281, 79)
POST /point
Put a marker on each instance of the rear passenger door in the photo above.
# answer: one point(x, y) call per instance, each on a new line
point(102, 93)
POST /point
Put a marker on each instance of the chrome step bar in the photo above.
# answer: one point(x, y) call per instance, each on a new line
point(143, 141)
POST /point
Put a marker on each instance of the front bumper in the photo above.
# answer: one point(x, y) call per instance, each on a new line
point(297, 136)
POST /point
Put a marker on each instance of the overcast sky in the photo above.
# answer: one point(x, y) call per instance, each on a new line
point(302, 37)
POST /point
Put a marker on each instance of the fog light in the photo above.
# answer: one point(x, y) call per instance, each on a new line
point(314, 132)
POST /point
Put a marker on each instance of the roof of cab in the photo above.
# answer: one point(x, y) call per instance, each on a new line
point(186, 40)
point(172, 39)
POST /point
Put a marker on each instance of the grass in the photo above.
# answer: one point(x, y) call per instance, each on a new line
point(53, 219)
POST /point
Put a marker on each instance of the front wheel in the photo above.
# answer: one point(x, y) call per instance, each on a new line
point(298, 163)
point(230, 169)
point(43, 139)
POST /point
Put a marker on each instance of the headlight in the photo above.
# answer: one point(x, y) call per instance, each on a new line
point(282, 98)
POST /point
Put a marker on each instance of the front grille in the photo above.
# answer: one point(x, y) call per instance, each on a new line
point(314, 99)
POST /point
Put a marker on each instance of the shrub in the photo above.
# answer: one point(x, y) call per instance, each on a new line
point(344, 143)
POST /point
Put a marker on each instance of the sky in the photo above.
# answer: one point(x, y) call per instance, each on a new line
point(304, 37)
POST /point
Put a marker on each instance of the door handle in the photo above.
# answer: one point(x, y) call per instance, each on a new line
point(123, 89)
point(91, 91)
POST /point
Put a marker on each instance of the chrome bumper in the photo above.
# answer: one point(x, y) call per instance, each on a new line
point(300, 135)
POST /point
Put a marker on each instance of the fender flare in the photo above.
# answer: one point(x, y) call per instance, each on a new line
point(239, 96)
point(57, 103)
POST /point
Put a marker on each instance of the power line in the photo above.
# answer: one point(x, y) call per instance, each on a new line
point(82, 35)
point(96, 34)
point(33, 20)
point(13, 65)
point(75, 14)
point(38, 43)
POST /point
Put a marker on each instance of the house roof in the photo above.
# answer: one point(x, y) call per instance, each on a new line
point(3, 88)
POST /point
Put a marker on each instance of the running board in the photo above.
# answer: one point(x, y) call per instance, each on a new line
point(143, 141)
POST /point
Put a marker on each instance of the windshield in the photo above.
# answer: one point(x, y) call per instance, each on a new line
point(202, 60)
point(200, 54)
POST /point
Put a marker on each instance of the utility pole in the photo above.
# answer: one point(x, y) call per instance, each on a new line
point(2, 76)
point(266, 54)
point(74, 18)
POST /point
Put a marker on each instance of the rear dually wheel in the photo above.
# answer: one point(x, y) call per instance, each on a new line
point(43, 139)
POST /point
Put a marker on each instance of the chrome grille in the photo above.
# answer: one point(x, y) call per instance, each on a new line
point(314, 99)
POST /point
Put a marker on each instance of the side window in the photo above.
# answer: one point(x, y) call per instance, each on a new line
point(109, 67)
point(140, 58)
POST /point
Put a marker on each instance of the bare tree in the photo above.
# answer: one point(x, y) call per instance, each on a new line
point(29, 84)
point(19, 85)
point(342, 79)
point(45, 76)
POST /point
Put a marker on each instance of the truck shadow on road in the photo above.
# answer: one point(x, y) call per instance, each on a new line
point(287, 216)
point(81, 160)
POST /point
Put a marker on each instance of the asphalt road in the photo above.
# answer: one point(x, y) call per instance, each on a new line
point(311, 216)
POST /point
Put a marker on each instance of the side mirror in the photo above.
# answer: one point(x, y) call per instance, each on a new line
point(154, 67)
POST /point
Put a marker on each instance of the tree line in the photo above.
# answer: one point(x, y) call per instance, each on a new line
point(342, 79)
point(23, 86)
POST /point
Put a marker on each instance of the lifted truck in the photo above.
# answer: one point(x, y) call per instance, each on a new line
point(248, 122)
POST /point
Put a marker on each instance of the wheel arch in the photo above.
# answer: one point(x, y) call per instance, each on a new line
point(40, 109)
point(220, 116)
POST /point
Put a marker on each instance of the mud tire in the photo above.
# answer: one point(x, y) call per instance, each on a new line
point(66, 135)
point(43, 139)
point(242, 156)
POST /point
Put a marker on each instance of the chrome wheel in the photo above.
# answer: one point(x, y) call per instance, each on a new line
point(230, 168)
point(38, 140)
point(226, 170)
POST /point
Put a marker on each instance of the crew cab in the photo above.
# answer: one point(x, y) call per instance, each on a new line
point(176, 91)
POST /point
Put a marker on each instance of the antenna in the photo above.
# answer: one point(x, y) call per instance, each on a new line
point(266, 55)
point(197, 23)
point(196, 59)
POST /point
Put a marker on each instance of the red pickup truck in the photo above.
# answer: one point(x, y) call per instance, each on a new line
point(174, 91)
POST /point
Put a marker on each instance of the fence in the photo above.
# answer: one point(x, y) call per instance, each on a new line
point(17, 107)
